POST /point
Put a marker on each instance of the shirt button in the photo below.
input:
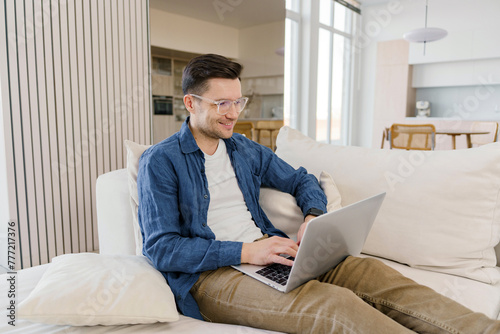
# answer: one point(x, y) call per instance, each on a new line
point(202, 170)
point(205, 196)
point(204, 225)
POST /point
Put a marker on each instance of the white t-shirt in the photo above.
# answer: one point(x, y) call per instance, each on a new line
point(228, 215)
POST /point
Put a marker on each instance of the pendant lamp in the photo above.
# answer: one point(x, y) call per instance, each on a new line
point(424, 35)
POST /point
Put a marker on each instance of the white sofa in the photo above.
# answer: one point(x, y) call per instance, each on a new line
point(439, 225)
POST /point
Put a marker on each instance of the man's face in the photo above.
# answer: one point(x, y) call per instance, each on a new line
point(204, 117)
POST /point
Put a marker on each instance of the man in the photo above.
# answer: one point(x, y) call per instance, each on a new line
point(199, 214)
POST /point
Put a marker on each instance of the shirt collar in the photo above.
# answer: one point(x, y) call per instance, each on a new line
point(186, 139)
point(230, 144)
point(188, 143)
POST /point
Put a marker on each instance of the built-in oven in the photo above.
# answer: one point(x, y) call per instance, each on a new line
point(163, 105)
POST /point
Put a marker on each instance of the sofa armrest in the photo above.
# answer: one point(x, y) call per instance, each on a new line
point(114, 214)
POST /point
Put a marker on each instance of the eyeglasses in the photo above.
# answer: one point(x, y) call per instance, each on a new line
point(224, 106)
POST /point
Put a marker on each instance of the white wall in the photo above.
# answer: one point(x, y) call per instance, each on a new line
point(257, 46)
point(183, 33)
point(465, 21)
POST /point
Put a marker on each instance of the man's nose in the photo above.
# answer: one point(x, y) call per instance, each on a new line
point(233, 111)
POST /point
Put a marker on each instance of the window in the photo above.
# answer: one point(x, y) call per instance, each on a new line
point(334, 72)
point(328, 37)
point(291, 93)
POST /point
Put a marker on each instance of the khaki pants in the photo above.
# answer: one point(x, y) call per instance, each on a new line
point(358, 296)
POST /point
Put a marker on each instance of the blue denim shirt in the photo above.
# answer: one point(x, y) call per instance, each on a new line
point(174, 198)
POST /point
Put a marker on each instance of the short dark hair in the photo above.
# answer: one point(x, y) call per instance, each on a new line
point(202, 68)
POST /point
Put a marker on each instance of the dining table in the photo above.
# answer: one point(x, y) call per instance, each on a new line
point(455, 133)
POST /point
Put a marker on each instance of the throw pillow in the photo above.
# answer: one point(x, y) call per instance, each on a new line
point(442, 209)
point(331, 191)
point(90, 289)
point(282, 210)
point(134, 152)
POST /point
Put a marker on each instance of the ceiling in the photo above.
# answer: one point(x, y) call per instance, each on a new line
point(238, 14)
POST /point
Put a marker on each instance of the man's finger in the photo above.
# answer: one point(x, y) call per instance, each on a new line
point(282, 260)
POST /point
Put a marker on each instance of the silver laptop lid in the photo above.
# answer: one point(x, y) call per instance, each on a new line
point(330, 238)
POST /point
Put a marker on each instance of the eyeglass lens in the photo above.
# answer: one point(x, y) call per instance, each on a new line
point(225, 106)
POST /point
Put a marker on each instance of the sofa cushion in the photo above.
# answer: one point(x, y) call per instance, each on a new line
point(114, 219)
point(134, 152)
point(282, 210)
point(88, 289)
point(475, 295)
point(442, 209)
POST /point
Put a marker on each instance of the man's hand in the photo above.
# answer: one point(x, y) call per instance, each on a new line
point(302, 228)
point(267, 251)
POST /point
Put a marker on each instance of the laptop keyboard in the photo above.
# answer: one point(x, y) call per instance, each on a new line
point(276, 272)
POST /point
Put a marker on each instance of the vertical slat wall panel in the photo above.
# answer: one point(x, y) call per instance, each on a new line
point(77, 84)
point(89, 134)
point(59, 164)
point(92, 97)
point(117, 79)
point(45, 133)
point(52, 149)
point(36, 156)
point(24, 102)
point(130, 78)
point(72, 171)
point(122, 105)
point(136, 9)
point(110, 127)
point(104, 137)
point(7, 133)
point(146, 67)
point(74, 124)
point(136, 92)
point(83, 147)
point(17, 171)
point(133, 60)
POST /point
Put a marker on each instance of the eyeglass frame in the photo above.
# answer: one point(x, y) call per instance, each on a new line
point(217, 103)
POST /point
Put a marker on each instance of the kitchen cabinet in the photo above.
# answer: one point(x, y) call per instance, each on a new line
point(166, 80)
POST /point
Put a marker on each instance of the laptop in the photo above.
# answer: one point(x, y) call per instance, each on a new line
point(327, 241)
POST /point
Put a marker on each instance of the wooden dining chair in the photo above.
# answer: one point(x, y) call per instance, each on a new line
point(266, 132)
point(245, 128)
point(385, 136)
point(412, 136)
point(492, 136)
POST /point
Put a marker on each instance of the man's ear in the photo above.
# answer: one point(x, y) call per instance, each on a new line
point(189, 103)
